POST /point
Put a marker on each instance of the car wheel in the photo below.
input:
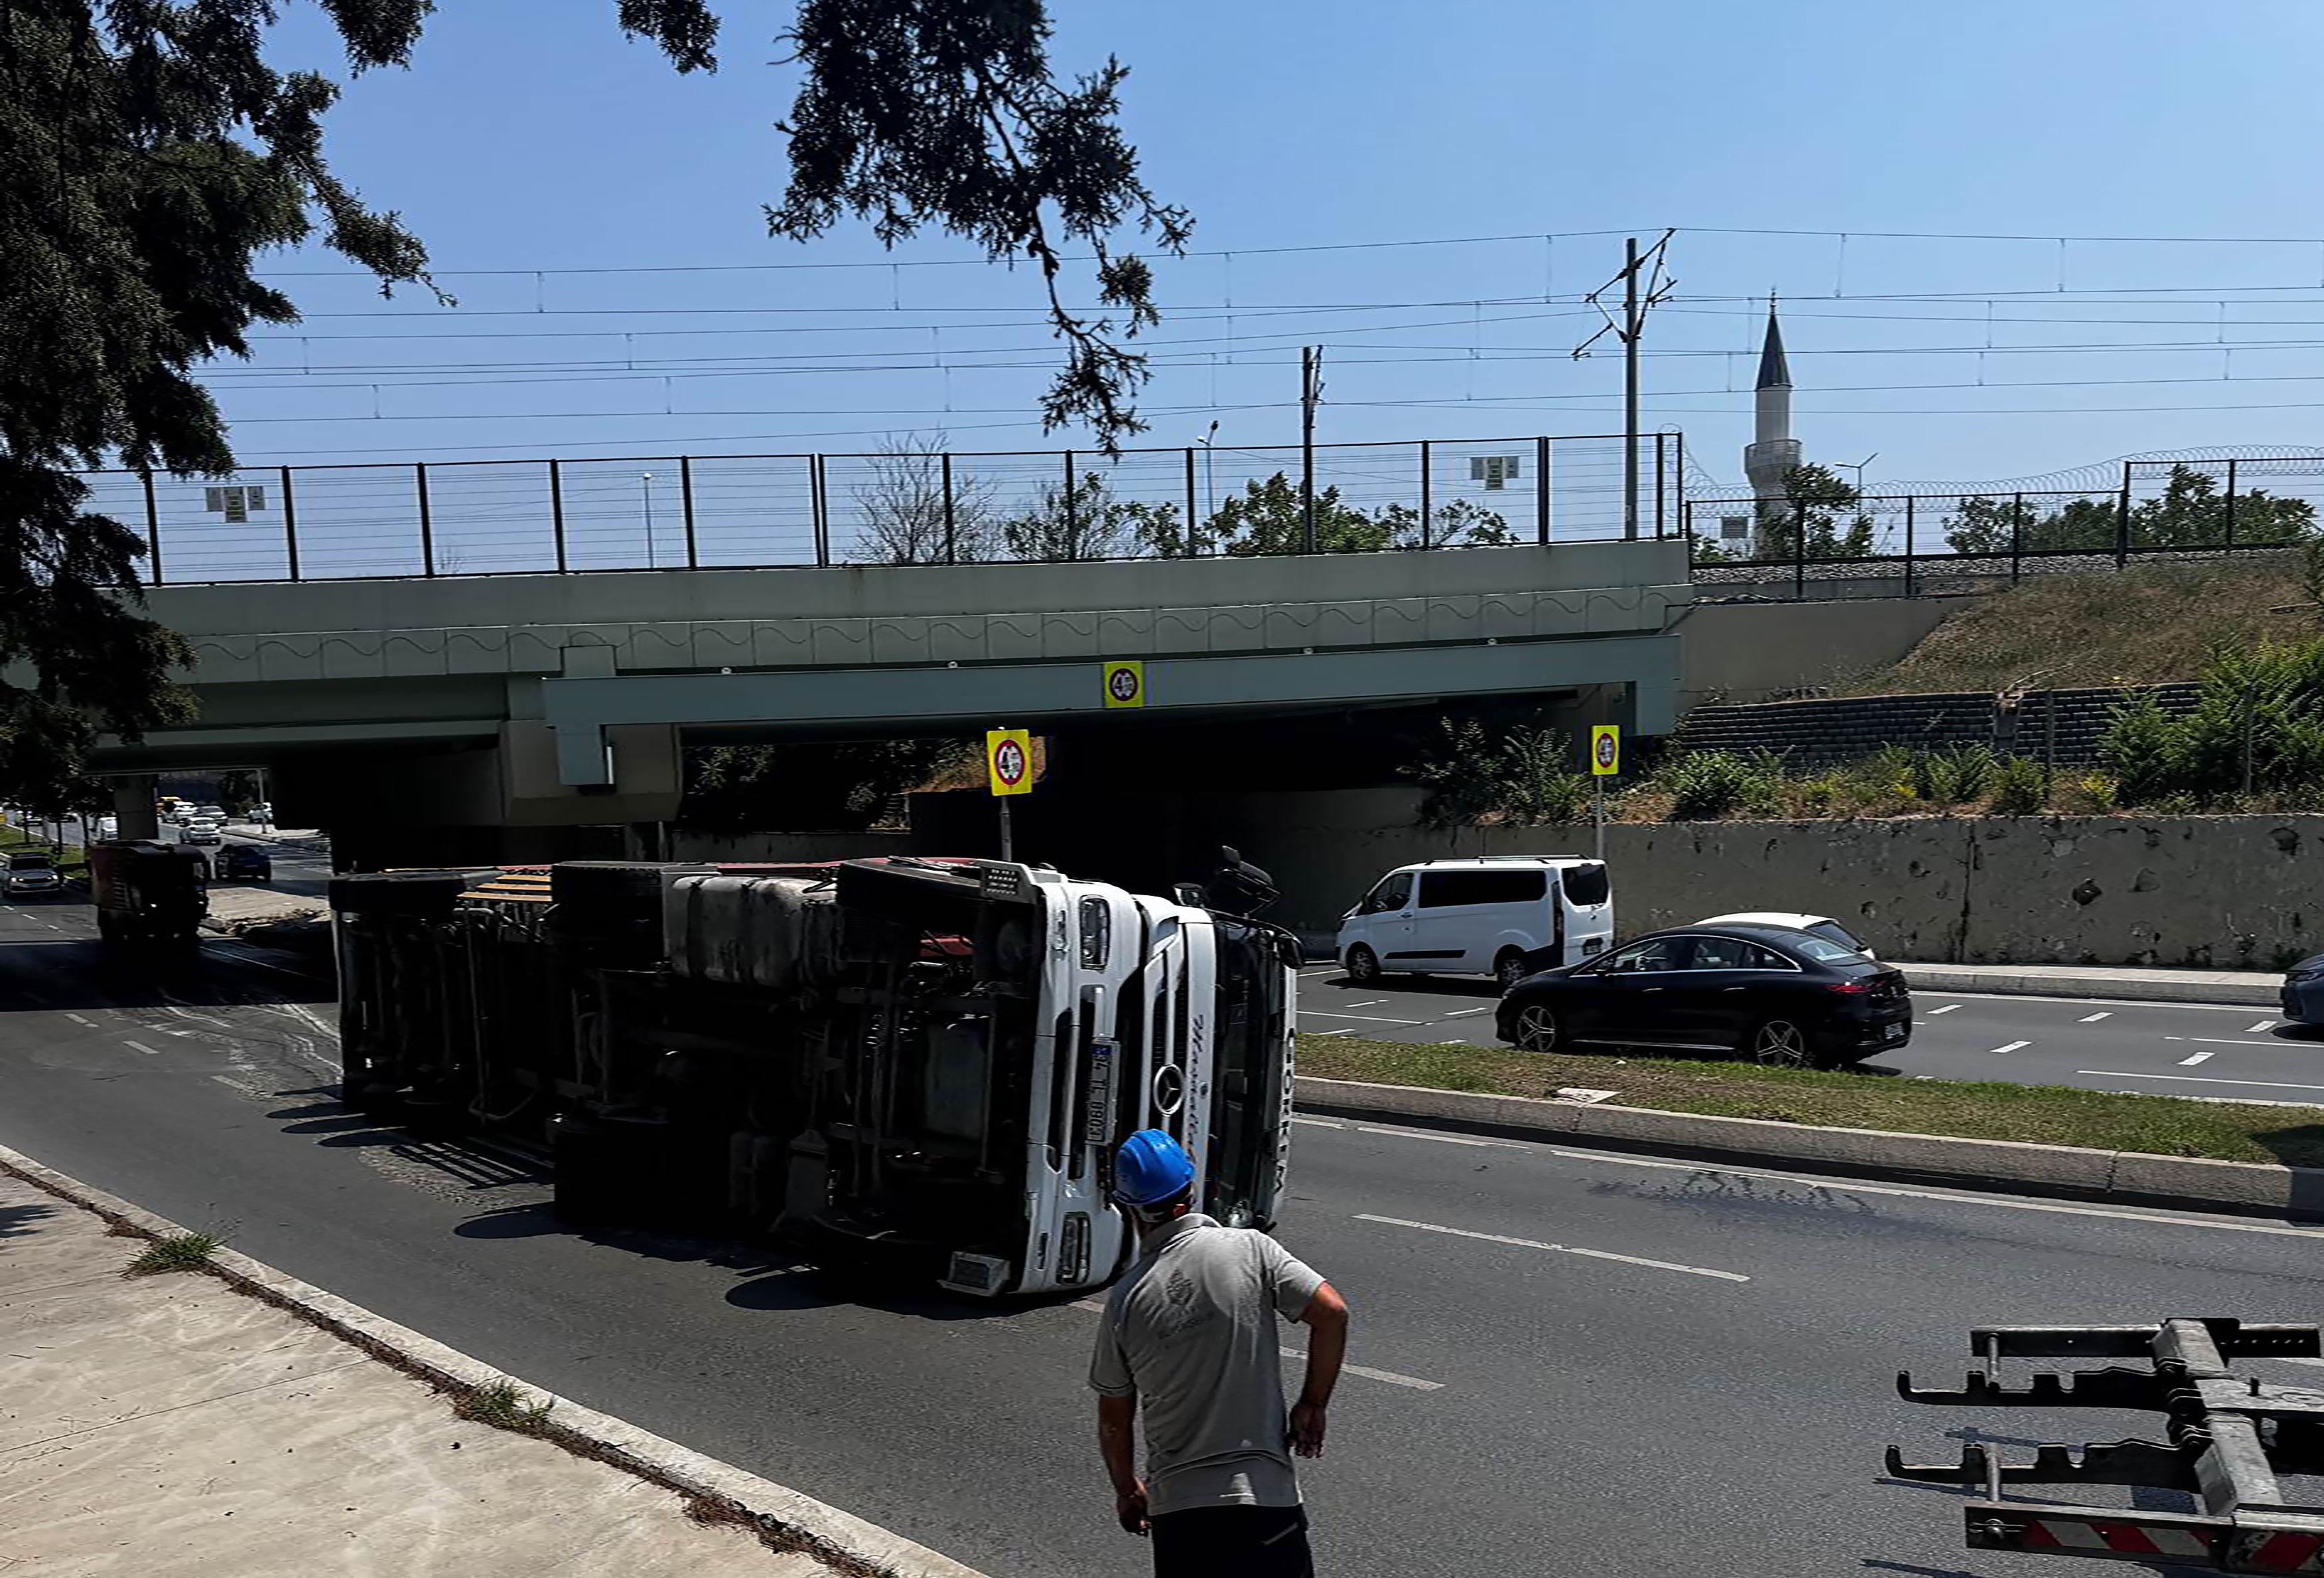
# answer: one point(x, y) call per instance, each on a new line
point(1535, 1029)
point(1363, 965)
point(1509, 968)
point(1780, 1044)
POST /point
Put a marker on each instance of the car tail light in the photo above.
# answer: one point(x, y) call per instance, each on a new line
point(1849, 988)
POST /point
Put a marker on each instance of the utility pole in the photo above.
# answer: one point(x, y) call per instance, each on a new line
point(1631, 328)
point(1311, 391)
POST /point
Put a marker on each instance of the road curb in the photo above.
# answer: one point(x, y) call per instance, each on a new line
point(2263, 992)
point(783, 1518)
point(2121, 1177)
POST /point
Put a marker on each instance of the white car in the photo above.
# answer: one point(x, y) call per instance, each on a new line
point(1823, 926)
point(1507, 916)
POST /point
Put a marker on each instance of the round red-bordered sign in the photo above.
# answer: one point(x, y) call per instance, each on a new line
point(1608, 749)
point(1121, 684)
point(1008, 763)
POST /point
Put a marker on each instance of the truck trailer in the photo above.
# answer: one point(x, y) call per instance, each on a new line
point(147, 892)
point(916, 1066)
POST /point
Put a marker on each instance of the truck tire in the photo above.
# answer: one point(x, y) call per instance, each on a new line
point(586, 1188)
point(431, 1118)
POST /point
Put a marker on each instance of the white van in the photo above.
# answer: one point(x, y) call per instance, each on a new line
point(1481, 915)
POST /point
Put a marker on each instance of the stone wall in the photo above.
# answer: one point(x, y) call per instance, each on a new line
point(2062, 726)
point(2219, 892)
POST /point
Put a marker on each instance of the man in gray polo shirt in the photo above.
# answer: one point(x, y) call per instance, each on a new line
point(1189, 1332)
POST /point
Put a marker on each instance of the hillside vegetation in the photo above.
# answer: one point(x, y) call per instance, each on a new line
point(2144, 625)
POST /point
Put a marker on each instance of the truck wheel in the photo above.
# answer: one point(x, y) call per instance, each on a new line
point(427, 1118)
point(584, 1190)
point(1363, 965)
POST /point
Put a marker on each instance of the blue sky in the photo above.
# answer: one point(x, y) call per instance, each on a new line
point(531, 136)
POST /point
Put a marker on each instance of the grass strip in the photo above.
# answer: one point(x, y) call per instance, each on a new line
point(2041, 1114)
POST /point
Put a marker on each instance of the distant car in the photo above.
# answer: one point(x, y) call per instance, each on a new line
point(2303, 991)
point(241, 863)
point(1823, 926)
point(29, 875)
point(202, 833)
point(1773, 994)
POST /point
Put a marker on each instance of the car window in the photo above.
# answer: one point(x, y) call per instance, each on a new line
point(1394, 891)
point(1832, 932)
point(1823, 950)
point(1443, 890)
point(1732, 953)
point(1656, 952)
point(1587, 884)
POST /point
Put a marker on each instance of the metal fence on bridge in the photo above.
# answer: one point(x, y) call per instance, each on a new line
point(1902, 544)
point(900, 506)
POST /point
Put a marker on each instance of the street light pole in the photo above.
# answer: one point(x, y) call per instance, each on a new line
point(1209, 484)
point(645, 491)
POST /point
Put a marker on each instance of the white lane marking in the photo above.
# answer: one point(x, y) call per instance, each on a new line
point(1390, 1376)
point(2219, 1041)
point(2092, 1018)
point(1444, 1138)
point(1457, 1012)
point(1319, 1123)
point(1456, 1042)
point(2109, 1002)
point(1321, 970)
point(1527, 1243)
point(2012, 1046)
point(2189, 1062)
point(141, 1045)
point(1947, 1009)
point(1370, 1019)
point(2281, 1085)
point(1097, 1306)
point(1327, 1032)
point(80, 1020)
point(1855, 1188)
point(1369, 1002)
point(2255, 1029)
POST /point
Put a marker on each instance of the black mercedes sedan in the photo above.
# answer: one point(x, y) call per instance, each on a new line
point(1772, 993)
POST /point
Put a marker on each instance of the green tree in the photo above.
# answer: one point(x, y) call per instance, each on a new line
point(1816, 499)
point(152, 152)
point(1991, 526)
point(1270, 517)
point(1087, 520)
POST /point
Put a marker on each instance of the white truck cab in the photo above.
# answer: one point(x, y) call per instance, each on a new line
point(1481, 915)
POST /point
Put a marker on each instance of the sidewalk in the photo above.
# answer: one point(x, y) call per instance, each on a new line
point(2259, 989)
point(177, 1425)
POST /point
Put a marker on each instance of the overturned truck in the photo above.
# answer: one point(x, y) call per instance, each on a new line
point(914, 1065)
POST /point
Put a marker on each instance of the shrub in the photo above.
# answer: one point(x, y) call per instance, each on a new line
point(2021, 787)
point(1706, 785)
point(1954, 775)
point(184, 1252)
point(2091, 795)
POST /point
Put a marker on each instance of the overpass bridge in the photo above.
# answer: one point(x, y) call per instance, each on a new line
point(554, 700)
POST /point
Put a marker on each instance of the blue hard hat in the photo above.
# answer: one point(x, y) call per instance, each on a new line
point(1151, 1168)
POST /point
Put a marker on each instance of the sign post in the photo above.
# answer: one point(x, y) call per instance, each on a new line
point(1605, 761)
point(1009, 771)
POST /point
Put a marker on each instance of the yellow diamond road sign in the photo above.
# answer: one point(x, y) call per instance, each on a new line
point(1605, 750)
point(1009, 761)
point(1125, 683)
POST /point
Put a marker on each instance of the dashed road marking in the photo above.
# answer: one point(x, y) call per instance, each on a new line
point(79, 1019)
point(1327, 1032)
point(1947, 1009)
point(2189, 1062)
point(2092, 1018)
point(2281, 1085)
point(1369, 1002)
point(1445, 1138)
point(1458, 1012)
point(1319, 1123)
point(1097, 1306)
point(2012, 1047)
point(149, 1051)
point(2263, 1025)
point(1527, 1243)
point(1370, 1019)
point(2219, 1041)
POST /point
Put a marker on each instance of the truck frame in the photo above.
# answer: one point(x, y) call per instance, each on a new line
point(920, 1066)
point(2231, 1442)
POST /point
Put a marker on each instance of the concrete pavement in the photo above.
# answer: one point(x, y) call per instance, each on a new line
point(172, 1424)
point(1570, 1359)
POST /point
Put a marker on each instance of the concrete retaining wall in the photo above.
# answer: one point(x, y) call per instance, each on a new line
point(2202, 892)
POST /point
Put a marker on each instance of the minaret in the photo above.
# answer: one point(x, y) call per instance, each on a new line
point(1773, 451)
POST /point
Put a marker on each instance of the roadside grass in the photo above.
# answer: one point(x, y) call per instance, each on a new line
point(1963, 1109)
point(505, 1407)
point(13, 838)
point(184, 1252)
point(2144, 625)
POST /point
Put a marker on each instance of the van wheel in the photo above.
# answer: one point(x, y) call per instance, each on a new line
point(1363, 965)
point(1509, 968)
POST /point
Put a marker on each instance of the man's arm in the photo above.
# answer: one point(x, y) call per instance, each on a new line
point(1117, 1419)
point(1326, 1320)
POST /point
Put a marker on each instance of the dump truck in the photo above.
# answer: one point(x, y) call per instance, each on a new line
point(147, 892)
point(2243, 1451)
point(916, 1066)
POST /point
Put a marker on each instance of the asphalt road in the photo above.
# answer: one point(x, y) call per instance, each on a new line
point(2188, 1050)
point(1571, 1360)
